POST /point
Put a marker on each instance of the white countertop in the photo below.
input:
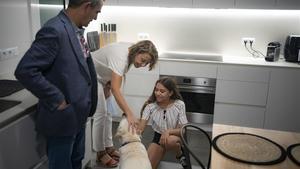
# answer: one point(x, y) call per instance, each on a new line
point(251, 61)
point(258, 62)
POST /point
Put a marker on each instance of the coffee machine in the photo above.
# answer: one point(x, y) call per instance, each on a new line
point(292, 48)
point(273, 51)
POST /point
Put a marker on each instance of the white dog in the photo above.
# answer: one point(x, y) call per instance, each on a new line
point(133, 153)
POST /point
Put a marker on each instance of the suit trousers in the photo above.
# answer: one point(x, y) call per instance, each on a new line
point(66, 152)
point(102, 124)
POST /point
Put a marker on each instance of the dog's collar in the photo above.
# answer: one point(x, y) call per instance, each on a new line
point(128, 143)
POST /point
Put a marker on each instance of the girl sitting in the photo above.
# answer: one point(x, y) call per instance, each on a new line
point(165, 111)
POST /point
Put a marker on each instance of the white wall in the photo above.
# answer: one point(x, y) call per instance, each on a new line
point(201, 30)
point(194, 30)
point(15, 31)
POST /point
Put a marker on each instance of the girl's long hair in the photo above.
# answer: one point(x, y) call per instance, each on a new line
point(168, 83)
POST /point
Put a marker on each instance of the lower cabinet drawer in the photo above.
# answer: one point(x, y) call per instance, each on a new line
point(239, 115)
point(191, 69)
point(88, 155)
point(20, 145)
point(140, 85)
point(243, 73)
point(136, 103)
point(238, 92)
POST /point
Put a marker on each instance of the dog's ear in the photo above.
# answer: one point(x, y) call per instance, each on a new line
point(122, 129)
point(120, 132)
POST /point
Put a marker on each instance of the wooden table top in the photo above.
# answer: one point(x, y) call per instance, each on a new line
point(284, 139)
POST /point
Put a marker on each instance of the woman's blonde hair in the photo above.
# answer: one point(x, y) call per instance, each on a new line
point(145, 46)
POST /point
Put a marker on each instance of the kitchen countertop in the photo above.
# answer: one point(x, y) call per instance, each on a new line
point(251, 61)
point(28, 101)
point(285, 139)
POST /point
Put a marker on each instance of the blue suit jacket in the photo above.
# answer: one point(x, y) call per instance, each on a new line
point(54, 69)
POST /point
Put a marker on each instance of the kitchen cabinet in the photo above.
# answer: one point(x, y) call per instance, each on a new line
point(138, 86)
point(136, 103)
point(239, 92)
point(20, 145)
point(224, 4)
point(247, 95)
point(189, 69)
point(239, 115)
point(48, 12)
point(283, 106)
point(241, 95)
point(88, 155)
point(288, 4)
point(255, 4)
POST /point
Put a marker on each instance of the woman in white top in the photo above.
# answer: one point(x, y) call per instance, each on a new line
point(112, 62)
point(165, 111)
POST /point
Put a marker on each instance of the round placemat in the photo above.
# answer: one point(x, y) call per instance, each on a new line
point(293, 152)
point(249, 148)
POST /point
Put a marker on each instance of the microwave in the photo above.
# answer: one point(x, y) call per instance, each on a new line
point(292, 48)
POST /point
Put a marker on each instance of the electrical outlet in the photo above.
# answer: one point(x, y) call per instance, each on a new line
point(9, 53)
point(248, 40)
point(143, 36)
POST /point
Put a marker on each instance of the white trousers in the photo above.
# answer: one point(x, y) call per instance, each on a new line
point(102, 124)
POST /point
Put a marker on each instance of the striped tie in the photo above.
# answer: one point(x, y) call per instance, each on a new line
point(84, 46)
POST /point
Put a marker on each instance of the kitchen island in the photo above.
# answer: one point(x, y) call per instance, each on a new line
point(283, 138)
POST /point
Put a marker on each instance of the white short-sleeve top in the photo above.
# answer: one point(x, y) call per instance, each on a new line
point(162, 119)
point(113, 57)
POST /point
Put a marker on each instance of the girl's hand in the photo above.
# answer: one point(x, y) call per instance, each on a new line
point(164, 138)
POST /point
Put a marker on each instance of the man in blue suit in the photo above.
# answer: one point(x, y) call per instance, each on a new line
point(59, 70)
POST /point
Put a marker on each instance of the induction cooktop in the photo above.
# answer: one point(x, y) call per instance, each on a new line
point(8, 87)
point(7, 104)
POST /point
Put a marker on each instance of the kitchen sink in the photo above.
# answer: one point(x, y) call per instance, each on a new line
point(7, 104)
point(192, 56)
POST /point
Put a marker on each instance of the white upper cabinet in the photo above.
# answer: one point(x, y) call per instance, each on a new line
point(255, 4)
point(224, 4)
point(174, 3)
point(135, 2)
point(288, 4)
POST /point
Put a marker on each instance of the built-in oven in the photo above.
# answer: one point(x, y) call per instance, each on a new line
point(199, 97)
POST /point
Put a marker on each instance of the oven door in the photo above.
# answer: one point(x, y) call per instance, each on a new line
point(199, 102)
